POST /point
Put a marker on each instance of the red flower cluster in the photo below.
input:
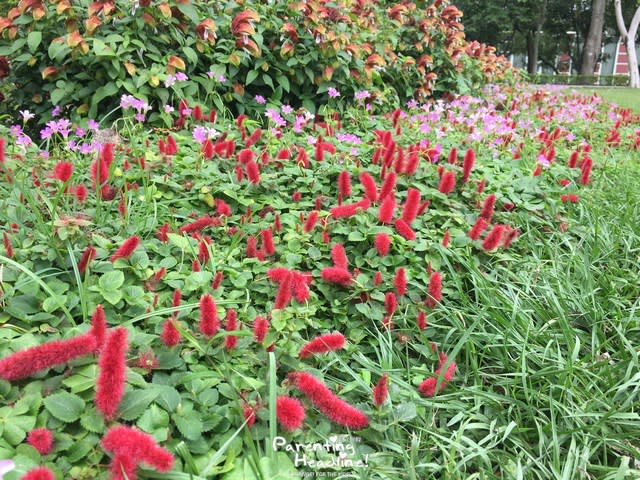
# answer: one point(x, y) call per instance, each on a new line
point(572, 198)
point(467, 166)
point(411, 206)
point(369, 186)
point(447, 182)
point(62, 171)
point(349, 210)
point(170, 335)
point(322, 344)
point(400, 281)
point(290, 412)
point(293, 284)
point(339, 273)
point(428, 387)
point(130, 448)
point(435, 289)
point(493, 239)
point(88, 255)
point(336, 409)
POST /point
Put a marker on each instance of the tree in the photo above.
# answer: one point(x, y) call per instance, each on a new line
point(593, 42)
point(629, 39)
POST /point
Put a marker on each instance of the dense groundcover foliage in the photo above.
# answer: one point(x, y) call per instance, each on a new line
point(312, 266)
point(83, 55)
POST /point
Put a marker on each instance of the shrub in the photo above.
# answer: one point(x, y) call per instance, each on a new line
point(85, 55)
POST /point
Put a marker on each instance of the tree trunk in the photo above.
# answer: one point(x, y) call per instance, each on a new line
point(629, 39)
point(593, 42)
point(533, 46)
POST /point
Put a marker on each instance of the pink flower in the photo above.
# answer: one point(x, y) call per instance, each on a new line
point(127, 248)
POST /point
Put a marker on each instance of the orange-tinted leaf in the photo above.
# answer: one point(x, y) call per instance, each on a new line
point(74, 39)
point(165, 9)
point(131, 68)
point(48, 71)
point(91, 24)
point(176, 62)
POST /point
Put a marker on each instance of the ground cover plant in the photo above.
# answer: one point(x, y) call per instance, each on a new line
point(443, 284)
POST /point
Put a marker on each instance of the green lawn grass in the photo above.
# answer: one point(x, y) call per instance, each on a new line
point(623, 96)
point(556, 337)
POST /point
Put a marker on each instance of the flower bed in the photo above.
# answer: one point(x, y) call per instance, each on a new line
point(183, 283)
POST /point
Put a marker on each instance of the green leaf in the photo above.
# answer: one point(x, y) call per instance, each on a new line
point(405, 412)
point(92, 421)
point(33, 41)
point(189, 11)
point(168, 397)
point(135, 402)
point(53, 303)
point(112, 297)
point(267, 80)
point(111, 280)
point(179, 241)
point(64, 406)
point(283, 82)
point(55, 49)
point(190, 427)
point(191, 54)
point(251, 76)
point(197, 280)
point(101, 49)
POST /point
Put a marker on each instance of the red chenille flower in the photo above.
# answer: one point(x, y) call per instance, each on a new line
point(488, 207)
point(336, 409)
point(349, 210)
point(81, 193)
point(88, 254)
point(39, 473)
point(339, 256)
point(249, 414)
point(336, 275)
point(400, 281)
point(477, 229)
point(344, 184)
point(63, 171)
point(200, 224)
point(493, 239)
point(369, 185)
point(428, 387)
point(99, 327)
point(230, 341)
point(123, 467)
point(387, 208)
point(435, 289)
point(24, 363)
point(411, 206)
point(381, 391)
point(388, 185)
point(467, 166)
point(170, 335)
point(41, 439)
point(405, 230)
point(138, 447)
point(285, 292)
point(267, 242)
point(587, 164)
point(447, 182)
point(8, 248)
point(253, 172)
point(377, 278)
point(127, 248)
point(260, 328)
point(445, 239)
point(382, 243)
point(112, 375)
point(290, 412)
point(322, 344)
point(390, 303)
point(209, 323)
point(311, 221)
point(421, 321)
